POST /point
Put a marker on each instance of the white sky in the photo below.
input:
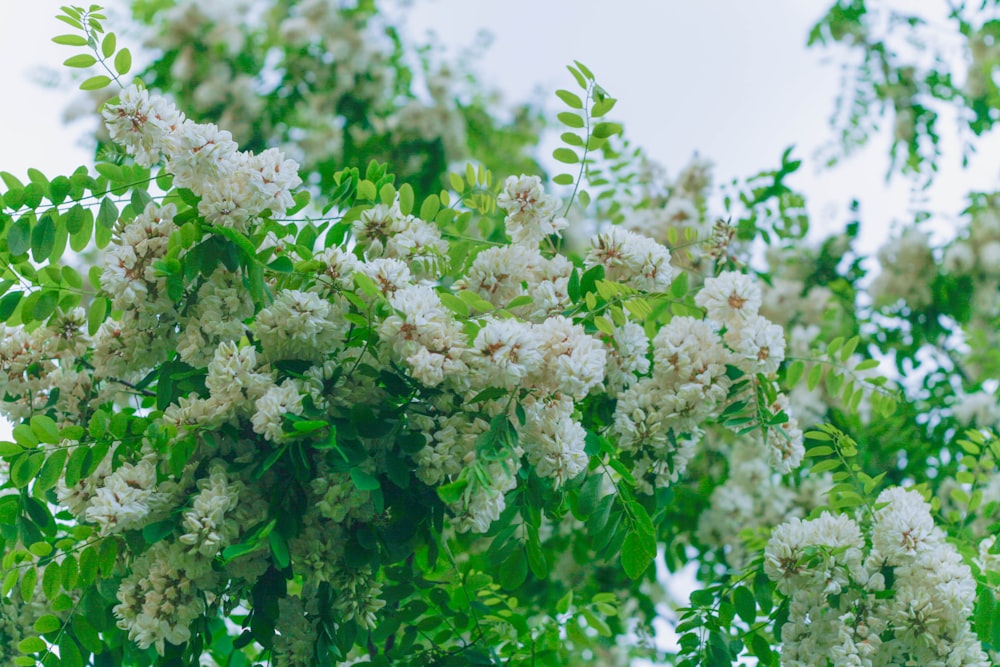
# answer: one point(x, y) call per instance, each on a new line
point(729, 79)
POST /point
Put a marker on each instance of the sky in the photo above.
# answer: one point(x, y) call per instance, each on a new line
point(727, 79)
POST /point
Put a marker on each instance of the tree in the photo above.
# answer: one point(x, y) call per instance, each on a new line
point(385, 410)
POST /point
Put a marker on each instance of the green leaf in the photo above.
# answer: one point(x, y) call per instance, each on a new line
point(80, 60)
point(571, 139)
point(25, 467)
point(70, 40)
point(96, 314)
point(366, 190)
point(281, 265)
point(10, 509)
point(563, 179)
point(8, 304)
point(702, 598)
point(513, 570)
point(814, 377)
point(454, 304)
point(279, 549)
point(406, 199)
point(794, 373)
point(88, 566)
point(123, 62)
point(387, 194)
point(47, 623)
point(31, 645)
point(51, 580)
point(46, 305)
point(565, 155)
point(825, 466)
point(108, 45)
point(452, 492)
point(570, 99)
point(28, 581)
point(536, 557)
point(584, 69)
point(745, 604)
point(154, 532)
point(605, 130)
point(596, 622)
point(19, 236)
point(87, 634)
point(363, 480)
point(430, 208)
point(69, 652)
point(580, 80)
point(96, 83)
point(570, 119)
point(636, 555)
point(849, 347)
point(107, 215)
point(51, 471)
point(602, 107)
point(866, 365)
point(45, 429)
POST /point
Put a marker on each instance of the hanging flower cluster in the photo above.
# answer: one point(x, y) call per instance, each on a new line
point(888, 590)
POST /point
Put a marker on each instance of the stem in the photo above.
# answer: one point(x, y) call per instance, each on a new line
point(586, 149)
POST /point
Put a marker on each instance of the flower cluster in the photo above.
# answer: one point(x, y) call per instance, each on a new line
point(658, 416)
point(270, 409)
point(895, 593)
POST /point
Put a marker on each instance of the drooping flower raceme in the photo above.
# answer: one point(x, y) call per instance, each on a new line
point(845, 608)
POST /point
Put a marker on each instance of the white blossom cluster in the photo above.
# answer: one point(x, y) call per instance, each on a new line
point(39, 369)
point(753, 497)
point(336, 53)
point(658, 417)
point(894, 593)
point(235, 187)
point(494, 394)
point(905, 262)
point(674, 206)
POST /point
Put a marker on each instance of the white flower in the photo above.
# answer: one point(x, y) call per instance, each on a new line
point(233, 378)
point(337, 272)
point(272, 407)
point(688, 350)
point(299, 325)
point(389, 274)
point(630, 258)
point(122, 502)
point(200, 153)
point(785, 447)
point(758, 344)
point(573, 361)
point(531, 214)
point(206, 529)
point(958, 259)
point(903, 527)
point(142, 123)
point(273, 178)
point(162, 595)
point(730, 298)
point(510, 351)
point(627, 357)
point(130, 277)
point(425, 335)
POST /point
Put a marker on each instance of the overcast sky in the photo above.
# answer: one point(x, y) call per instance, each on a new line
point(729, 79)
